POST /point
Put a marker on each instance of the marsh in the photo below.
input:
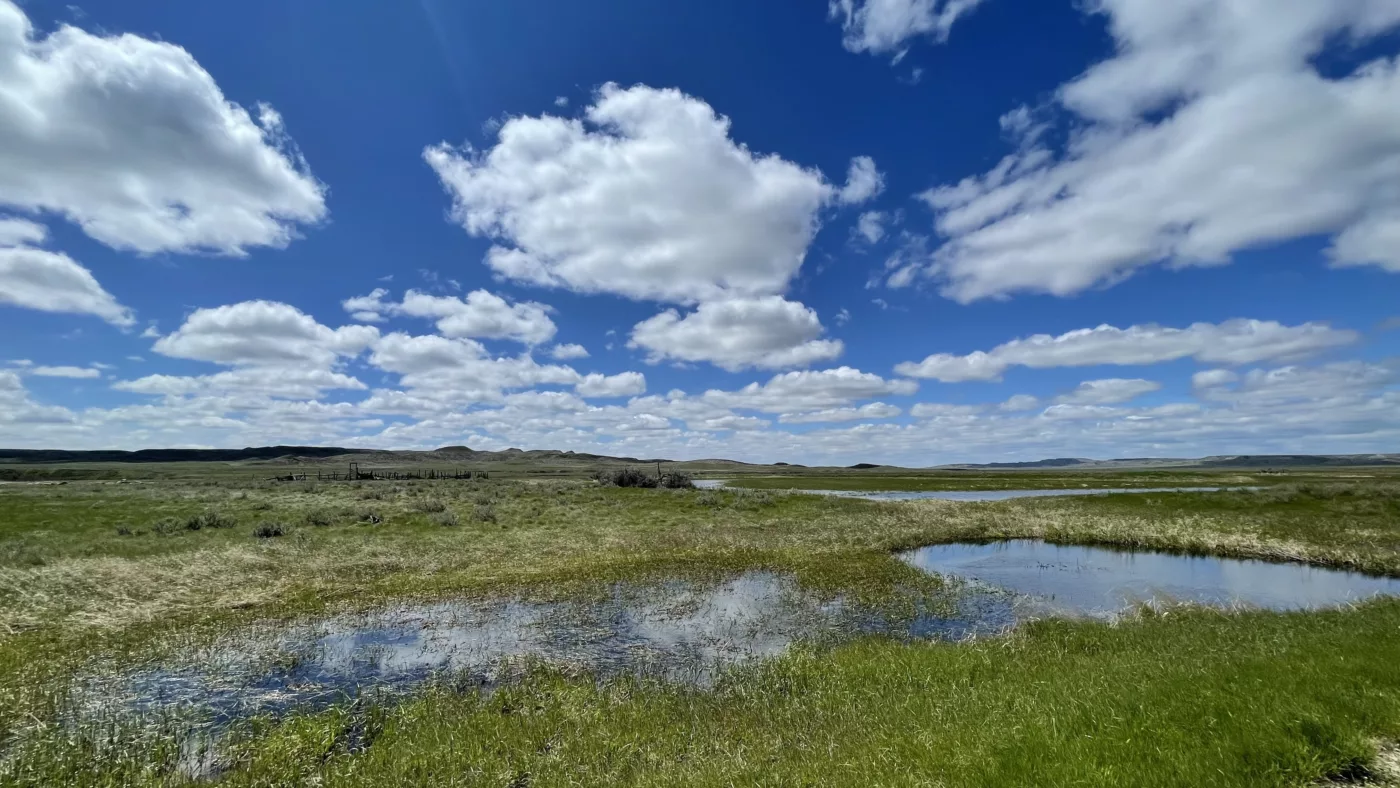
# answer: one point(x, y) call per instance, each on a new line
point(656, 636)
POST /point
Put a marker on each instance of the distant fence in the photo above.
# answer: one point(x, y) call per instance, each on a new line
point(355, 474)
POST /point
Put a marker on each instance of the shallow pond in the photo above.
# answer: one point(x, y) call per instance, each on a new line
point(683, 632)
point(970, 495)
point(1097, 581)
point(676, 632)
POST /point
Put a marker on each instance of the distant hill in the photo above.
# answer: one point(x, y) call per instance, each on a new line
point(1062, 462)
point(1221, 461)
point(282, 455)
point(181, 455)
point(325, 454)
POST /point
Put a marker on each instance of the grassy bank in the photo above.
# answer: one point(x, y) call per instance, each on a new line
point(126, 572)
point(942, 481)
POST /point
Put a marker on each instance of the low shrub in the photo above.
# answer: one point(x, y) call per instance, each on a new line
point(445, 518)
point(677, 481)
point(268, 530)
point(209, 518)
point(429, 505)
point(166, 526)
point(319, 517)
point(627, 477)
point(484, 513)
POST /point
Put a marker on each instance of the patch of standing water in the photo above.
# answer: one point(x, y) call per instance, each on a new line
point(676, 632)
point(1102, 582)
point(973, 495)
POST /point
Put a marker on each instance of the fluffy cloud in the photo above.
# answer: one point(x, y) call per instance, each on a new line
point(459, 370)
point(768, 333)
point(65, 372)
point(1232, 342)
point(884, 26)
point(1323, 384)
point(863, 182)
point(263, 333)
point(938, 410)
point(793, 392)
point(50, 281)
point(1209, 131)
point(871, 226)
point(1212, 378)
point(568, 351)
point(1018, 403)
point(874, 410)
point(646, 197)
point(21, 232)
point(283, 382)
point(132, 140)
point(18, 413)
point(1340, 407)
point(625, 384)
point(1111, 391)
point(369, 308)
point(481, 315)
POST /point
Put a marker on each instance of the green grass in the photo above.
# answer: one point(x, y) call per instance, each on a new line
point(96, 571)
point(1184, 700)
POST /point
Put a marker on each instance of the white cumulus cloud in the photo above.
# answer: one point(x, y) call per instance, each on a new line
point(768, 332)
point(874, 410)
point(863, 182)
point(1233, 342)
point(133, 140)
point(871, 226)
point(1110, 391)
point(1210, 130)
point(263, 333)
point(885, 26)
point(568, 351)
point(807, 390)
point(482, 315)
point(48, 281)
point(647, 197)
point(625, 384)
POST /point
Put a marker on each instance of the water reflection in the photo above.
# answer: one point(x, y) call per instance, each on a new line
point(677, 632)
point(1097, 581)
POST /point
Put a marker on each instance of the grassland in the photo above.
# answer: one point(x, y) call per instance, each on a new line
point(878, 479)
point(122, 573)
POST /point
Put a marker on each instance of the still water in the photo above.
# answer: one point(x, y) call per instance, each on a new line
point(678, 632)
point(1099, 582)
point(675, 631)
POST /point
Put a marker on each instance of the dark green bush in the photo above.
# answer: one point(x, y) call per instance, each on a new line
point(268, 530)
point(627, 477)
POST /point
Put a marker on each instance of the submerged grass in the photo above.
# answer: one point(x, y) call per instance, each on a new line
point(117, 572)
point(1189, 698)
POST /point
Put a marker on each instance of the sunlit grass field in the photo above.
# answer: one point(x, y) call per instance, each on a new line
point(98, 570)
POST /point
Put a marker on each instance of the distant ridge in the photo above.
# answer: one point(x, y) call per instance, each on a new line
point(466, 454)
point(290, 454)
point(1218, 461)
point(181, 455)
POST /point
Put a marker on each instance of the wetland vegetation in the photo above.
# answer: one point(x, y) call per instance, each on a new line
point(100, 578)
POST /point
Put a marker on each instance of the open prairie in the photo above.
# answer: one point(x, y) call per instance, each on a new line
point(124, 605)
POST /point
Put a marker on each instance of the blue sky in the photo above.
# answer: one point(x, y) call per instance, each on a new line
point(903, 231)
